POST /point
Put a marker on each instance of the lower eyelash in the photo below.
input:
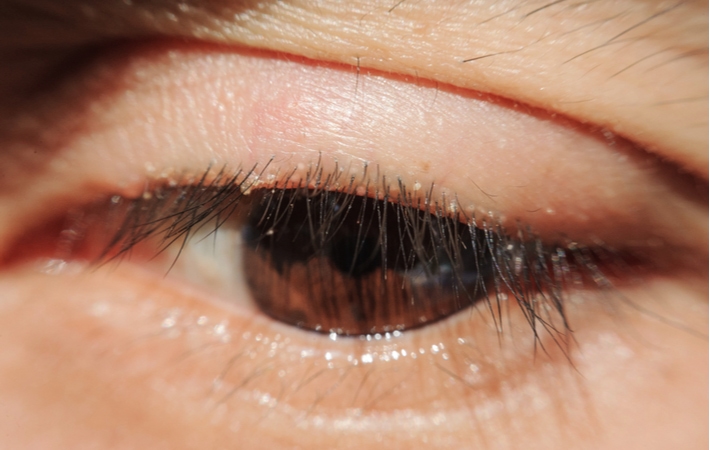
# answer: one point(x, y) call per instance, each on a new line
point(519, 266)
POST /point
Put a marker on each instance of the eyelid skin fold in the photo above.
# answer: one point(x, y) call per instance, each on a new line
point(236, 107)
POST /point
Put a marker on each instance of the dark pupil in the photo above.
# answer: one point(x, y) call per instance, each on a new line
point(337, 262)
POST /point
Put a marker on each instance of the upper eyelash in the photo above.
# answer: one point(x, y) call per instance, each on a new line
point(537, 276)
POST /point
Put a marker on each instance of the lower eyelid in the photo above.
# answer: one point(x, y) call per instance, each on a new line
point(156, 343)
point(187, 334)
point(148, 348)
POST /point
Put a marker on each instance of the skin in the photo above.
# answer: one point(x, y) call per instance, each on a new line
point(583, 121)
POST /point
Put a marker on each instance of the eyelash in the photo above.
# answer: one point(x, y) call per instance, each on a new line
point(538, 277)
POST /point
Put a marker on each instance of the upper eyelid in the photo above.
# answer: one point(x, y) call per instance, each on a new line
point(190, 87)
point(126, 107)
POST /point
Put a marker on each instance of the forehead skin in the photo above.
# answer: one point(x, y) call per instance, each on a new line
point(638, 68)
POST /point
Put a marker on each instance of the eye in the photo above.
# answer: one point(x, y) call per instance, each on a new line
point(335, 262)
point(367, 288)
point(498, 258)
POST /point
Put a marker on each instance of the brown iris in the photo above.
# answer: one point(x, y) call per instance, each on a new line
point(337, 262)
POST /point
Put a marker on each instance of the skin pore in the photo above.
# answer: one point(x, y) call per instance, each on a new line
point(579, 119)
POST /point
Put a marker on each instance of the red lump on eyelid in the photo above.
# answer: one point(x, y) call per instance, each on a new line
point(166, 109)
